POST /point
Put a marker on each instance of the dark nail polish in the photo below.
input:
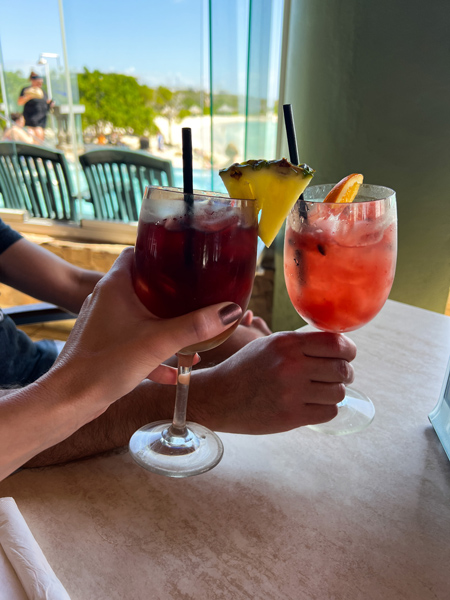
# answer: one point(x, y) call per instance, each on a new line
point(230, 314)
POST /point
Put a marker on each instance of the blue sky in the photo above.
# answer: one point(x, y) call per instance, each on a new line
point(152, 39)
point(161, 42)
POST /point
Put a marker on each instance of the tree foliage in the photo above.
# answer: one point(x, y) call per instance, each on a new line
point(116, 99)
point(125, 103)
point(14, 82)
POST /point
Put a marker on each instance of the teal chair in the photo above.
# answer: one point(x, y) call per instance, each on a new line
point(117, 179)
point(36, 179)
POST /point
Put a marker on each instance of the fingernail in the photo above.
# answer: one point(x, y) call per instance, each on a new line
point(230, 314)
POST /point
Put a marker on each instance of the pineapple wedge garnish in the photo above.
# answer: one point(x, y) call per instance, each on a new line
point(276, 186)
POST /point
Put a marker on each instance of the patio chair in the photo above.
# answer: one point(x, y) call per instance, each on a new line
point(117, 179)
point(36, 179)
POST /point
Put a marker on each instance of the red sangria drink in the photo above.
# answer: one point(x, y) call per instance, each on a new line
point(192, 251)
point(185, 261)
point(339, 264)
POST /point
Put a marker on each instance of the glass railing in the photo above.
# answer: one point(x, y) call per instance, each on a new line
point(139, 74)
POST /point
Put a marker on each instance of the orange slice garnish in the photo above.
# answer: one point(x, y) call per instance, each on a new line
point(345, 191)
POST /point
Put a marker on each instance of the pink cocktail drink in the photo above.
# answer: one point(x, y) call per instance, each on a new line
point(339, 266)
point(340, 262)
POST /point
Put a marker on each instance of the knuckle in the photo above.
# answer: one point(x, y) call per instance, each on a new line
point(200, 326)
point(350, 347)
point(339, 344)
point(343, 369)
point(104, 286)
point(342, 346)
point(88, 301)
point(279, 341)
point(351, 374)
point(340, 392)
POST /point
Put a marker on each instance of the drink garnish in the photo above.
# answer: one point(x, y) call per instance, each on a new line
point(346, 190)
point(276, 186)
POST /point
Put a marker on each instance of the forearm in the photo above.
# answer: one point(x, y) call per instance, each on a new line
point(32, 419)
point(147, 403)
point(212, 403)
point(83, 282)
point(41, 274)
point(70, 290)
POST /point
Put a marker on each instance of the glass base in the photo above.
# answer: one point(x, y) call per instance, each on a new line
point(154, 449)
point(355, 413)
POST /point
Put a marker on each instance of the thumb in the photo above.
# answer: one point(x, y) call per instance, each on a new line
point(195, 327)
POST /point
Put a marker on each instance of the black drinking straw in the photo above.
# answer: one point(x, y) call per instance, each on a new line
point(290, 132)
point(293, 150)
point(188, 189)
point(188, 186)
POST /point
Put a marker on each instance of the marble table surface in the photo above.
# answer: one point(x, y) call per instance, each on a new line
point(297, 515)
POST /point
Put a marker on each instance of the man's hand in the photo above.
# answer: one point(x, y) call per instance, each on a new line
point(250, 328)
point(275, 383)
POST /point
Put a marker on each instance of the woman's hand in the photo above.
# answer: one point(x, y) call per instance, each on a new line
point(116, 342)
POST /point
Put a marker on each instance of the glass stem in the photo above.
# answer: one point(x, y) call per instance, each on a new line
point(178, 427)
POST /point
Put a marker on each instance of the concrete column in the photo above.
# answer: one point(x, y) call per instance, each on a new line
point(370, 87)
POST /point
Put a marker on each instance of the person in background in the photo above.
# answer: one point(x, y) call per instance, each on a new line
point(36, 106)
point(114, 139)
point(232, 152)
point(17, 131)
point(144, 143)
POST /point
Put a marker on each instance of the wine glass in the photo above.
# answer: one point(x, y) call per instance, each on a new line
point(339, 265)
point(192, 251)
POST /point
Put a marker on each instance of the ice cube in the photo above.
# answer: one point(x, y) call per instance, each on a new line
point(362, 233)
point(209, 220)
point(176, 223)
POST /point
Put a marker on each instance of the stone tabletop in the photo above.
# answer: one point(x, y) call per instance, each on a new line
point(297, 515)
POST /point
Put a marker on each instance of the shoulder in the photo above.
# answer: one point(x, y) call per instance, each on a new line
point(7, 236)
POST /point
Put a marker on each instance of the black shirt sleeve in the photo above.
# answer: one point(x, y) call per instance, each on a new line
point(7, 236)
